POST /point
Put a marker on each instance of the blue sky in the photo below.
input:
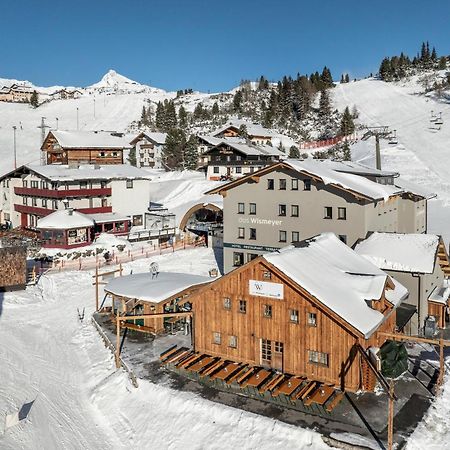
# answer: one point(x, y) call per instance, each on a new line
point(210, 45)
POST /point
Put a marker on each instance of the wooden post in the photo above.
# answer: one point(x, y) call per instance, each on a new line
point(391, 415)
point(117, 338)
point(441, 362)
point(120, 268)
point(96, 288)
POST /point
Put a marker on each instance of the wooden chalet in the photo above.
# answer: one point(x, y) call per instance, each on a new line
point(153, 293)
point(83, 147)
point(314, 311)
point(256, 133)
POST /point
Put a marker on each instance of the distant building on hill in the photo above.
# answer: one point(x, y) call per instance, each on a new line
point(84, 147)
point(16, 93)
point(149, 147)
point(65, 94)
point(255, 132)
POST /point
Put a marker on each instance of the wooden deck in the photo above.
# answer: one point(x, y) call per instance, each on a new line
point(254, 380)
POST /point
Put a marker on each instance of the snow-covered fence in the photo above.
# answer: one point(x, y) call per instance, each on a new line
point(110, 345)
point(144, 251)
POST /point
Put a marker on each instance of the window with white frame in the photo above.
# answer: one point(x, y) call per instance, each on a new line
point(318, 357)
point(232, 342)
point(217, 338)
point(312, 319)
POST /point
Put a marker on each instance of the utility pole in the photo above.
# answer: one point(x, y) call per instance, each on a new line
point(57, 123)
point(78, 121)
point(15, 150)
point(94, 108)
point(377, 132)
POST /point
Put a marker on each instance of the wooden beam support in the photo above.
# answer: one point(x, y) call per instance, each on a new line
point(404, 337)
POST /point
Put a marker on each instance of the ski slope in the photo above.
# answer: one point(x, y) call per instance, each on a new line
point(422, 155)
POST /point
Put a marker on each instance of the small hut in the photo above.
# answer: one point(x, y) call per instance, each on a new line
point(65, 228)
point(153, 293)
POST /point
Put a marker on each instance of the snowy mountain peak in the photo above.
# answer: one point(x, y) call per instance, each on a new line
point(112, 79)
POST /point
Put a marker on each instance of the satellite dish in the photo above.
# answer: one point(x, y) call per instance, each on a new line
point(154, 269)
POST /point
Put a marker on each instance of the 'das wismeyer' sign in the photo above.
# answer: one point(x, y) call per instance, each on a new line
point(265, 289)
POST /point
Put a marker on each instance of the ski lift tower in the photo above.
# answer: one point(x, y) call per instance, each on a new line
point(43, 126)
point(381, 132)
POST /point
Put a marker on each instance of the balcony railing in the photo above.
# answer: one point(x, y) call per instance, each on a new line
point(46, 211)
point(62, 193)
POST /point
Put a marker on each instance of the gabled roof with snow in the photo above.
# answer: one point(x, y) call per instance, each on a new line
point(248, 149)
point(325, 172)
point(253, 129)
point(89, 139)
point(338, 278)
point(65, 219)
point(401, 252)
point(357, 169)
point(157, 138)
point(55, 172)
point(143, 286)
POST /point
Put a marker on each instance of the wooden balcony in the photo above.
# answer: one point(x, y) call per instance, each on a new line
point(46, 211)
point(62, 193)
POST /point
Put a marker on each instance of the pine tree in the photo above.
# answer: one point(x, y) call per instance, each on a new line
point(442, 65)
point(294, 152)
point(385, 70)
point(346, 152)
point(324, 105)
point(243, 131)
point(191, 154)
point(347, 78)
point(170, 116)
point(326, 78)
point(182, 117)
point(143, 116)
point(159, 119)
point(263, 84)
point(347, 125)
point(173, 152)
point(237, 101)
point(198, 112)
point(132, 156)
point(342, 79)
point(215, 109)
point(434, 55)
point(34, 99)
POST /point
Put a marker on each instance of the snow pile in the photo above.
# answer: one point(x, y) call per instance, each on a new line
point(400, 252)
point(346, 279)
point(64, 219)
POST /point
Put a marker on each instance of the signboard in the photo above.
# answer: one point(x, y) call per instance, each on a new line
point(266, 289)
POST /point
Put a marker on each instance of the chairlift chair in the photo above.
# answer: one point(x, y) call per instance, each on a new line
point(439, 120)
point(393, 138)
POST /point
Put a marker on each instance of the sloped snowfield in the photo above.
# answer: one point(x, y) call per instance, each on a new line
point(83, 402)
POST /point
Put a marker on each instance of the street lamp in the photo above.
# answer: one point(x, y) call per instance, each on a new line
point(15, 150)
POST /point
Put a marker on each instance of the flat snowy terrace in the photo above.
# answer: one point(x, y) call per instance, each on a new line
point(400, 252)
point(144, 286)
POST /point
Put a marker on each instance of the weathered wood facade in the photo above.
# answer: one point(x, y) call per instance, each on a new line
point(57, 153)
point(297, 334)
point(13, 268)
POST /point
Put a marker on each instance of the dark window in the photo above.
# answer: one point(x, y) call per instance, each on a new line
point(25, 200)
point(241, 208)
point(270, 184)
point(251, 256)
point(129, 184)
point(312, 319)
point(282, 184)
point(216, 169)
point(342, 213)
point(252, 233)
point(217, 338)
point(238, 259)
point(318, 357)
point(283, 236)
point(294, 210)
point(55, 204)
point(243, 306)
point(294, 315)
point(281, 210)
point(238, 169)
point(83, 184)
point(241, 233)
point(328, 212)
point(232, 342)
point(252, 208)
point(267, 311)
point(294, 184)
point(34, 201)
point(295, 236)
point(306, 185)
point(44, 203)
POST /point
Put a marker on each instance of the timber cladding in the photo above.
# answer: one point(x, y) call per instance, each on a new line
point(13, 267)
point(278, 341)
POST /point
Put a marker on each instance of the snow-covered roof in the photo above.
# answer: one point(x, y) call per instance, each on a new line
point(89, 139)
point(250, 150)
point(143, 286)
point(108, 217)
point(212, 140)
point(440, 293)
point(400, 252)
point(158, 138)
point(345, 281)
point(65, 219)
point(357, 168)
point(55, 172)
point(355, 183)
point(253, 129)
